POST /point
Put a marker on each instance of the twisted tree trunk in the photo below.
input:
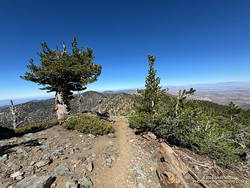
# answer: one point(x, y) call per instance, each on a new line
point(61, 106)
point(14, 116)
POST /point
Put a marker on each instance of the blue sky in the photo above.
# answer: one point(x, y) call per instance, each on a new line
point(194, 41)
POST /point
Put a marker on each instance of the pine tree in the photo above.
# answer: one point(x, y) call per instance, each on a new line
point(182, 99)
point(233, 110)
point(148, 103)
point(63, 72)
point(149, 98)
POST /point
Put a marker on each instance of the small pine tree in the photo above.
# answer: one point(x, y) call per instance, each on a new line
point(149, 99)
point(233, 110)
point(63, 72)
point(182, 99)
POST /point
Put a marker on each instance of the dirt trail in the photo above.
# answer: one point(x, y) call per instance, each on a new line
point(118, 175)
point(133, 168)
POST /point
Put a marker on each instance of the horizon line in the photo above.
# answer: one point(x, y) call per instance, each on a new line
point(122, 89)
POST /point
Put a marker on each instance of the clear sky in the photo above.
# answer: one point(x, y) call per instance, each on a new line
point(194, 41)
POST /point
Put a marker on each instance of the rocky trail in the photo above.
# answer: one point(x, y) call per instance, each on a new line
point(62, 158)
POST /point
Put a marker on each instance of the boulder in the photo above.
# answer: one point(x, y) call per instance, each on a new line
point(62, 169)
point(85, 182)
point(35, 182)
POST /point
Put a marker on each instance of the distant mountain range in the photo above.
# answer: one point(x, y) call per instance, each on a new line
point(120, 102)
point(221, 93)
point(6, 102)
point(43, 110)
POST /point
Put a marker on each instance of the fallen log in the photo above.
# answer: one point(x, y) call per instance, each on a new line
point(171, 169)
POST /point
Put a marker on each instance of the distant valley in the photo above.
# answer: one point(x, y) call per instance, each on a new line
point(221, 93)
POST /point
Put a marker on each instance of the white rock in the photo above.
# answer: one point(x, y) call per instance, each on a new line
point(16, 174)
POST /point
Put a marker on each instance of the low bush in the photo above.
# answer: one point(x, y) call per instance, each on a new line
point(88, 124)
point(194, 129)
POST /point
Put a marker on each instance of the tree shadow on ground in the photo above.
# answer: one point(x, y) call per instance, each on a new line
point(6, 133)
point(8, 148)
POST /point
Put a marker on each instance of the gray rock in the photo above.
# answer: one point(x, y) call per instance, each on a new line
point(35, 182)
point(4, 158)
point(16, 174)
point(87, 148)
point(27, 154)
point(93, 156)
point(68, 145)
point(196, 168)
point(85, 182)
point(20, 150)
point(58, 152)
point(111, 135)
point(29, 134)
point(153, 161)
point(13, 166)
point(46, 156)
point(61, 170)
point(90, 166)
point(48, 143)
point(7, 171)
point(42, 163)
point(151, 135)
point(41, 133)
point(91, 136)
point(71, 183)
point(109, 162)
point(73, 150)
point(10, 164)
point(19, 177)
point(43, 147)
point(140, 185)
point(114, 155)
point(110, 143)
point(29, 169)
point(27, 139)
point(139, 170)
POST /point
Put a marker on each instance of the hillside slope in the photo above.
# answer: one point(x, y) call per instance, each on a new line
point(115, 104)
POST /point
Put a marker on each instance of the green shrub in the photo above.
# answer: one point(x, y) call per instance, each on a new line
point(194, 129)
point(218, 131)
point(88, 124)
point(35, 127)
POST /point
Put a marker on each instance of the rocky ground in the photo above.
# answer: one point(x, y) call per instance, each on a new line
point(68, 159)
point(65, 158)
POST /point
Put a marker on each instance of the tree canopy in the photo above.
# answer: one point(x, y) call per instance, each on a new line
point(64, 71)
